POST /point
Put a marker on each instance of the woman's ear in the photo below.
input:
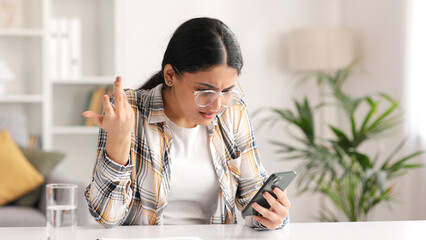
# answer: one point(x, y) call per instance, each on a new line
point(169, 75)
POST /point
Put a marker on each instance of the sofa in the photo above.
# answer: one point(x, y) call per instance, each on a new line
point(22, 216)
point(16, 213)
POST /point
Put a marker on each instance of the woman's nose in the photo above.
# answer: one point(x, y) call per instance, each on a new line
point(217, 103)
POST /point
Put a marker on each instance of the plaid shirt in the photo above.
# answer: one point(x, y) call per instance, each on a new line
point(136, 194)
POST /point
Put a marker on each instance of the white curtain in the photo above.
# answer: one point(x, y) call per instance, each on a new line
point(416, 88)
point(416, 67)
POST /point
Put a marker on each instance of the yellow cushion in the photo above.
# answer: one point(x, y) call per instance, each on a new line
point(17, 175)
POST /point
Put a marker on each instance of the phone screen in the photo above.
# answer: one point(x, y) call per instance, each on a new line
point(280, 180)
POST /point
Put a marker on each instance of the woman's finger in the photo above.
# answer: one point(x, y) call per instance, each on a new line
point(96, 118)
point(274, 203)
point(118, 92)
point(265, 222)
point(266, 213)
point(282, 197)
point(106, 105)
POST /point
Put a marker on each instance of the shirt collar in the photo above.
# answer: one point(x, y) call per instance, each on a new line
point(156, 105)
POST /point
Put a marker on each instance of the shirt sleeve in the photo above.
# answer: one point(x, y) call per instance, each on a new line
point(109, 194)
point(252, 173)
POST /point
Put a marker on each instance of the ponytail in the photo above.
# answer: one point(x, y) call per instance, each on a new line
point(154, 81)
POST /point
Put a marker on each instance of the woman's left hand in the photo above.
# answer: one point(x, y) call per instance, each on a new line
point(273, 217)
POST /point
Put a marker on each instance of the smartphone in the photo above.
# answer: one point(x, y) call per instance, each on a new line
point(280, 180)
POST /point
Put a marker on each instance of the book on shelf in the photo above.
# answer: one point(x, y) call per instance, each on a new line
point(34, 141)
point(65, 47)
point(95, 102)
point(74, 25)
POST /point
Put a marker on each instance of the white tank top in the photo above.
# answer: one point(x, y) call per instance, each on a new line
point(194, 187)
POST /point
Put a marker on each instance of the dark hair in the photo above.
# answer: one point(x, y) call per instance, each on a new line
point(197, 45)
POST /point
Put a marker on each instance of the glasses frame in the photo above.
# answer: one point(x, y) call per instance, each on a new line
point(222, 94)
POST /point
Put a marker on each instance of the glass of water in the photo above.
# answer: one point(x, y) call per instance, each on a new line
point(61, 206)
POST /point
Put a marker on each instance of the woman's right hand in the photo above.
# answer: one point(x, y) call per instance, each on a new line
point(118, 122)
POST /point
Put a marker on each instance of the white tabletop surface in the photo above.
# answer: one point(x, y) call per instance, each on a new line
point(410, 230)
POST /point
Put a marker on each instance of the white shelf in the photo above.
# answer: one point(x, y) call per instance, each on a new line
point(21, 99)
point(74, 130)
point(90, 80)
point(54, 105)
point(21, 32)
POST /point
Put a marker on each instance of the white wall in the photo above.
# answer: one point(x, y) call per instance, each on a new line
point(261, 26)
point(381, 29)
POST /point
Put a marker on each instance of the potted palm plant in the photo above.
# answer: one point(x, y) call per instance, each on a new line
point(336, 167)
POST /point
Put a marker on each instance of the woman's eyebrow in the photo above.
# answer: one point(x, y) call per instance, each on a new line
point(213, 87)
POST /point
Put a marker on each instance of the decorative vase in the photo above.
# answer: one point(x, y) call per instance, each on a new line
point(7, 13)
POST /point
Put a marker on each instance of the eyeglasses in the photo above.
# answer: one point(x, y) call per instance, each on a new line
point(205, 98)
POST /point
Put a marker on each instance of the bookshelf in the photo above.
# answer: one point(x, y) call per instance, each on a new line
point(94, 80)
point(75, 130)
point(21, 98)
point(22, 48)
point(54, 104)
point(71, 95)
point(21, 32)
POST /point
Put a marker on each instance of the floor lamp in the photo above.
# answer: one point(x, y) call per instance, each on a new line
point(319, 49)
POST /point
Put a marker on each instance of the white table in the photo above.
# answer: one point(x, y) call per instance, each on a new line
point(410, 230)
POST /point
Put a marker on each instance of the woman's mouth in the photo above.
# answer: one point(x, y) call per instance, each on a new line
point(208, 115)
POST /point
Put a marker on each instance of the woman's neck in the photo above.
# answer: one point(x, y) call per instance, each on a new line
point(173, 111)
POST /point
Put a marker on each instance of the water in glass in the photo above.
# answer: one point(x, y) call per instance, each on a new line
point(61, 222)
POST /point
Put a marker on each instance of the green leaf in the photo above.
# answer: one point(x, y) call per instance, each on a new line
point(386, 113)
point(393, 153)
point(373, 109)
point(332, 164)
point(363, 160)
point(343, 140)
point(413, 165)
point(344, 73)
point(400, 164)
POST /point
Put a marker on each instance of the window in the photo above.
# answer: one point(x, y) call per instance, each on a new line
point(416, 68)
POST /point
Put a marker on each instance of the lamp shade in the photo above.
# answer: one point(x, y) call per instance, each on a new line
point(319, 49)
point(5, 73)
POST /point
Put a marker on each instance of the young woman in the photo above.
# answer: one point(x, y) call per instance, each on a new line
point(181, 149)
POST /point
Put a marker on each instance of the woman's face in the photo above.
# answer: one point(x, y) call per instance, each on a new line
point(180, 105)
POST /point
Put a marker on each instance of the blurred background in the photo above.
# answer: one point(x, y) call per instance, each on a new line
point(58, 56)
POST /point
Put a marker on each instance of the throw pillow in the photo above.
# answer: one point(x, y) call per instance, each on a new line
point(44, 162)
point(17, 175)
